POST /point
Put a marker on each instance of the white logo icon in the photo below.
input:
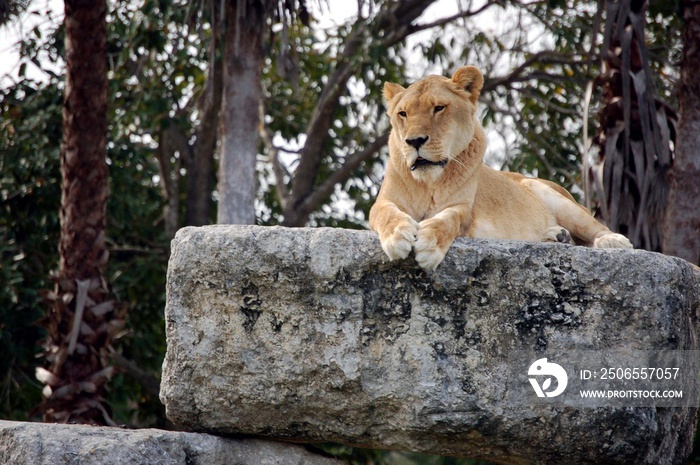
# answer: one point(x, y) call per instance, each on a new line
point(544, 368)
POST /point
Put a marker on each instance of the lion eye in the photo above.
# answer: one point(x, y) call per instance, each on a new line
point(402, 114)
point(438, 108)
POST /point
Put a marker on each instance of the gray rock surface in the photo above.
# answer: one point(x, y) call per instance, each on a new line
point(51, 444)
point(311, 334)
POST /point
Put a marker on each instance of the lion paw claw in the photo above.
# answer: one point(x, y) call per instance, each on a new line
point(557, 234)
point(428, 253)
point(399, 244)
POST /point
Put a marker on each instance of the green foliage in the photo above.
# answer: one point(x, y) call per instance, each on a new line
point(156, 63)
point(136, 271)
point(358, 119)
point(30, 128)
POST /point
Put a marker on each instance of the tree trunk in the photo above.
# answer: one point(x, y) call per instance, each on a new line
point(237, 188)
point(682, 227)
point(200, 177)
point(200, 180)
point(81, 322)
point(170, 176)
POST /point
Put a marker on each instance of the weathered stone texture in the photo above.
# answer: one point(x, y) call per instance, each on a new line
point(312, 334)
point(52, 444)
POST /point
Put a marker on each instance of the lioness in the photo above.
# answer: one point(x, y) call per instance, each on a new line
point(437, 188)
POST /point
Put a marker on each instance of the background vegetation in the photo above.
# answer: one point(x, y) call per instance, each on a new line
point(163, 56)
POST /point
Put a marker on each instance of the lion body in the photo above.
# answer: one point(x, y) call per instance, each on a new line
point(437, 188)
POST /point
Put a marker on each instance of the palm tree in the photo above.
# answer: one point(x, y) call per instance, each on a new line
point(636, 132)
point(82, 320)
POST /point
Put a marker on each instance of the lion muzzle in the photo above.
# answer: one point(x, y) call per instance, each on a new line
point(424, 162)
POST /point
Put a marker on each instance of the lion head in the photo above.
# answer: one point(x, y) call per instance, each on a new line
point(433, 120)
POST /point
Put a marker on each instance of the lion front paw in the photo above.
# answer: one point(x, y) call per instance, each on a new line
point(429, 254)
point(398, 245)
point(612, 241)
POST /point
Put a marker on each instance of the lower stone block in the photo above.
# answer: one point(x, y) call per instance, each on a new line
point(51, 444)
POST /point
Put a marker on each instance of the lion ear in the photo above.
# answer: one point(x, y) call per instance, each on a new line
point(470, 79)
point(391, 90)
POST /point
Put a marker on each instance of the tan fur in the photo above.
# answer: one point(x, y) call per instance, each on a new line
point(451, 193)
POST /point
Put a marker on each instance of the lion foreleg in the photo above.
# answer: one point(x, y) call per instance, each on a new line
point(609, 240)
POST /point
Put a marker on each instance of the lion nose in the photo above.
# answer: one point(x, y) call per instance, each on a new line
point(417, 142)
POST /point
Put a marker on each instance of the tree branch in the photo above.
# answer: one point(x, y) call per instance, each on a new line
point(449, 19)
point(543, 57)
point(201, 167)
point(351, 163)
point(273, 153)
point(171, 140)
point(548, 103)
point(522, 130)
point(149, 382)
point(386, 24)
point(321, 118)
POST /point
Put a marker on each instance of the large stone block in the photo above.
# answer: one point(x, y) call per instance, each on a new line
point(312, 335)
point(52, 444)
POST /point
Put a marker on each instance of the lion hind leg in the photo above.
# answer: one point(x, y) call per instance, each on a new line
point(582, 226)
point(557, 234)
